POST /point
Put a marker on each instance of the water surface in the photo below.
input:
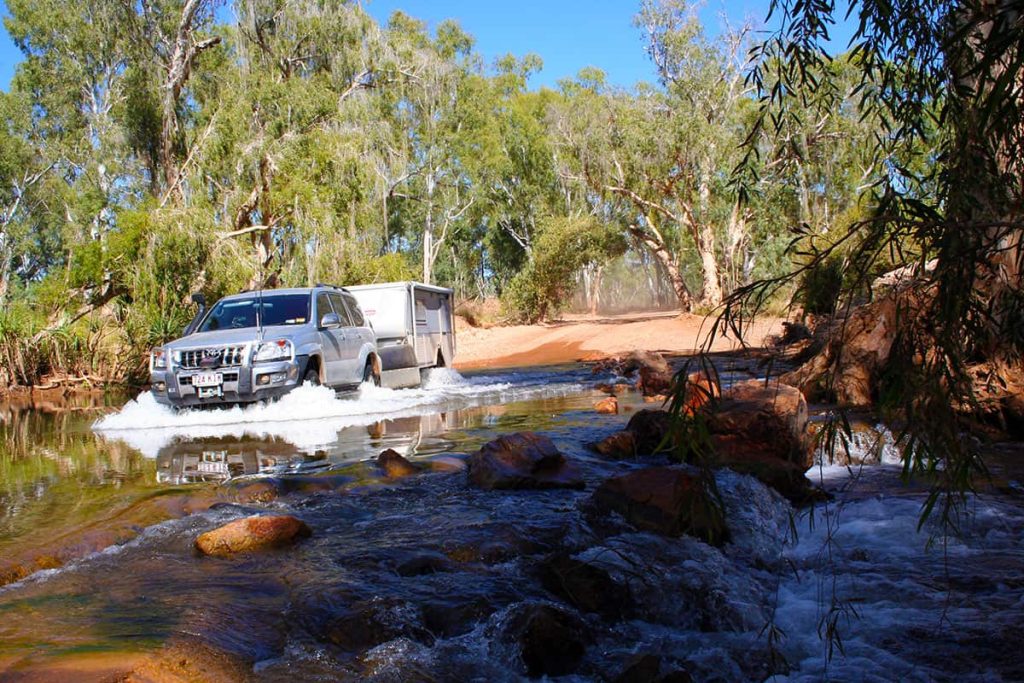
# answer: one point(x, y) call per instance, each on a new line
point(423, 579)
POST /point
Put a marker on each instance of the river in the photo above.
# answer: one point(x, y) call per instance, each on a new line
point(427, 578)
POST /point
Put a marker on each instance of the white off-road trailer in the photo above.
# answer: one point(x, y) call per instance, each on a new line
point(414, 325)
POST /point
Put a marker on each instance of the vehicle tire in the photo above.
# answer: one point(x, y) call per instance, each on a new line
point(312, 377)
point(369, 376)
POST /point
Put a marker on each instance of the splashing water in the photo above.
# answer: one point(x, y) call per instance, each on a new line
point(311, 416)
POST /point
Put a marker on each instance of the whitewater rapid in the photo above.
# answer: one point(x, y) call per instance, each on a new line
point(310, 417)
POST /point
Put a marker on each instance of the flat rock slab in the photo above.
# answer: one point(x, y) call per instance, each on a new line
point(251, 534)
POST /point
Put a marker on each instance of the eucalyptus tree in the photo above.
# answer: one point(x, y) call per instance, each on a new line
point(282, 151)
point(168, 36)
point(434, 104)
point(25, 172)
point(661, 155)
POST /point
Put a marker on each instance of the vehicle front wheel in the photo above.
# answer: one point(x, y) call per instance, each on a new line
point(369, 375)
point(312, 377)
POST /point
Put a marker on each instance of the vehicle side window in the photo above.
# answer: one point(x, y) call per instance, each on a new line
point(323, 307)
point(357, 313)
point(340, 309)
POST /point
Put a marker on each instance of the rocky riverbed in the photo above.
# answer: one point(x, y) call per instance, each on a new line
point(499, 547)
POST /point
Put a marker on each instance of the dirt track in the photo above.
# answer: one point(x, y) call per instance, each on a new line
point(585, 337)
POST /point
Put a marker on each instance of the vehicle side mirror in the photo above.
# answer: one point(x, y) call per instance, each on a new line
point(330, 320)
point(199, 299)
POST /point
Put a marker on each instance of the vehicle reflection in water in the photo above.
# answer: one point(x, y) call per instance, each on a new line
point(189, 461)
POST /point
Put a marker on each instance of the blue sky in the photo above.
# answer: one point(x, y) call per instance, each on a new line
point(567, 34)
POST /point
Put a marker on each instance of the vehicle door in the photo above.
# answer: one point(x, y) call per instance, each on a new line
point(360, 325)
point(351, 374)
point(332, 341)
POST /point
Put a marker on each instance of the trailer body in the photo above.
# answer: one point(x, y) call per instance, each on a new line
point(414, 326)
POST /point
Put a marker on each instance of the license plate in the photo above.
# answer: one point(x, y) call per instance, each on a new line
point(208, 379)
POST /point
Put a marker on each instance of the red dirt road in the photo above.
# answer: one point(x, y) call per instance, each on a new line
point(591, 338)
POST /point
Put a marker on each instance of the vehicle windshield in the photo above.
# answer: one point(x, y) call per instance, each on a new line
point(237, 314)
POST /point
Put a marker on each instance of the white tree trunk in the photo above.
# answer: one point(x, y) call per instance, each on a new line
point(428, 233)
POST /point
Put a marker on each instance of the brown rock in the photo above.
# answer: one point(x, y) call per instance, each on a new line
point(652, 360)
point(394, 465)
point(522, 461)
point(618, 446)
point(757, 421)
point(654, 380)
point(551, 641)
point(649, 428)
point(657, 398)
point(665, 500)
point(607, 406)
point(610, 389)
point(252, 533)
point(701, 389)
point(857, 346)
point(586, 587)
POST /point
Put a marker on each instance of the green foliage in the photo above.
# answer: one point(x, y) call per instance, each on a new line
point(820, 286)
point(306, 143)
point(566, 244)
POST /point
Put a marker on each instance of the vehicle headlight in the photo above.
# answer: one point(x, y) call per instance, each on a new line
point(280, 349)
point(158, 360)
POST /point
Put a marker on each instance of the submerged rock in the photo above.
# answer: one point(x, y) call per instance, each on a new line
point(607, 406)
point(425, 562)
point(447, 463)
point(395, 465)
point(261, 491)
point(551, 641)
point(618, 446)
point(646, 668)
point(585, 586)
point(523, 460)
point(252, 533)
point(666, 500)
point(368, 623)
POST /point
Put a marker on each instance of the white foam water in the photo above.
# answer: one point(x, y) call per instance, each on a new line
point(311, 417)
point(899, 592)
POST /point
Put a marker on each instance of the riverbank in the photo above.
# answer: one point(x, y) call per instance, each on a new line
point(584, 337)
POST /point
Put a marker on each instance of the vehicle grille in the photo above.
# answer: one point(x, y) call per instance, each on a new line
point(228, 356)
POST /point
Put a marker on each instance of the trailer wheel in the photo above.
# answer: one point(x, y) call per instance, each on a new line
point(440, 359)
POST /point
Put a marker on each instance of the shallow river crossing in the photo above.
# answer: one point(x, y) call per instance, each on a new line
point(427, 577)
